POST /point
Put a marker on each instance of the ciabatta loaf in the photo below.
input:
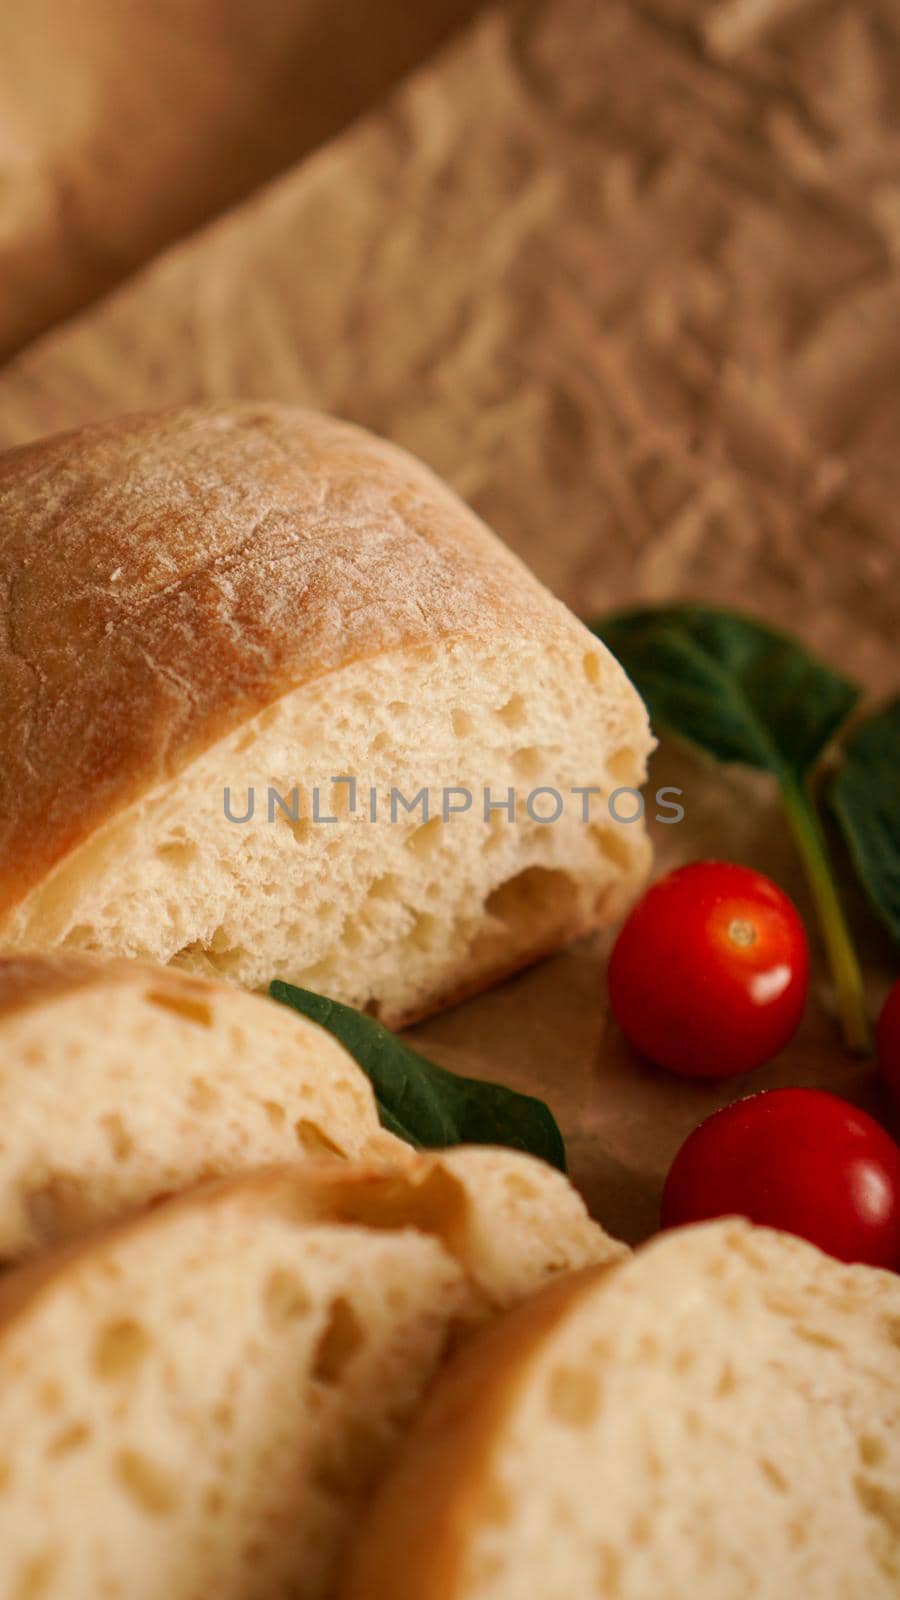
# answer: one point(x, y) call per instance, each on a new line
point(121, 1081)
point(717, 1418)
point(207, 617)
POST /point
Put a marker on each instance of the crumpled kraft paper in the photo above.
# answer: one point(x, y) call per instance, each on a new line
point(627, 276)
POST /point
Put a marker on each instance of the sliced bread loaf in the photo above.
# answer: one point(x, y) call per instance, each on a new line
point(222, 631)
point(120, 1082)
point(714, 1419)
point(196, 1402)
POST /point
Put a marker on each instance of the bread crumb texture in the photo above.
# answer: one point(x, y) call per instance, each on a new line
point(297, 601)
point(717, 1417)
point(197, 1404)
point(121, 1082)
point(198, 1401)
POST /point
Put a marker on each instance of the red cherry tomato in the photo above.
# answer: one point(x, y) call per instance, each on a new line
point(709, 974)
point(888, 1041)
point(799, 1160)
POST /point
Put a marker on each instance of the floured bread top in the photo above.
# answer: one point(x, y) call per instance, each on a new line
point(164, 577)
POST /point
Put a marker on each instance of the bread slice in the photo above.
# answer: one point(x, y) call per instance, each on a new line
point(195, 1403)
point(121, 1081)
point(716, 1418)
point(259, 600)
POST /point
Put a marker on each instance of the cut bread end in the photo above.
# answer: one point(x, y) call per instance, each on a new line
point(408, 912)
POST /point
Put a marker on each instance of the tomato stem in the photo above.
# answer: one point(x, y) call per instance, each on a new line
point(845, 969)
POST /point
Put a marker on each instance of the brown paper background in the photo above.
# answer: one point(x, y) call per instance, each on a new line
point(627, 275)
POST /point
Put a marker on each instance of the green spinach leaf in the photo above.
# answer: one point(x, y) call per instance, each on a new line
point(730, 685)
point(423, 1103)
point(865, 799)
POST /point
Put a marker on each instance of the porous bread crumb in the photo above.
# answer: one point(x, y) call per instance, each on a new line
point(391, 913)
point(718, 1416)
point(121, 1082)
point(198, 1401)
point(232, 1457)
